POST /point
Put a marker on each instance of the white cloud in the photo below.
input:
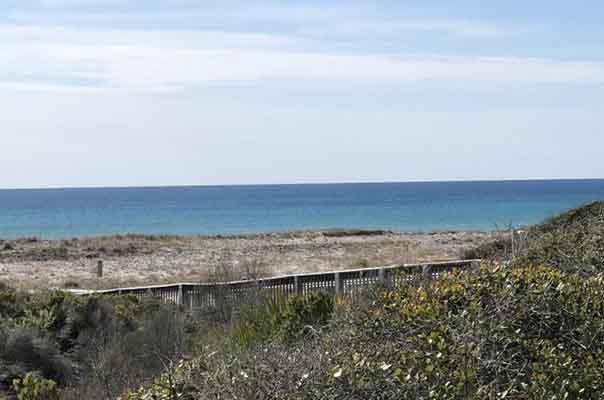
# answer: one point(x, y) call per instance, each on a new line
point(351, 20)
point(72, 3)
point(13, 36)
point(139, 60)
point(458, 27)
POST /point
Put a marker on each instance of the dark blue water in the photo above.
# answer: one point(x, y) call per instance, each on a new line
point(60, 213)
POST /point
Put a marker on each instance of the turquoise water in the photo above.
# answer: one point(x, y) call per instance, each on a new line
point(61, 213)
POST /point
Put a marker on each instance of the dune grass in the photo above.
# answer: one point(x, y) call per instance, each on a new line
point(573, 240)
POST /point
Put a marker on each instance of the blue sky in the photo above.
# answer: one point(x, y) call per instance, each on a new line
point(122, 93)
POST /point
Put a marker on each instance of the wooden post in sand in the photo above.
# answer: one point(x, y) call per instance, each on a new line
point(99, 269)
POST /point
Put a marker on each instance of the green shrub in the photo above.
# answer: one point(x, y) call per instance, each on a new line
point(496, 333)
point(95, 345)
point(26, 351)
point(302, 313)
point(361, 263)
point(32, 387)
point(8, 303)
point(284, 318)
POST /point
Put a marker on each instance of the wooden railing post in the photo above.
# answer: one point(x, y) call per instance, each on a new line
point(257, 294)
point(298, 289)
point(427, 271)
point(339, 283)
point(179, 297)
point(385, 277)
point(219, 297)
point(382, 276)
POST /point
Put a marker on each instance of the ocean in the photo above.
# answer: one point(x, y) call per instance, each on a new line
point(418, 206)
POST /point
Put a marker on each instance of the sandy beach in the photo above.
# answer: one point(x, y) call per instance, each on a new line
point(141, 259)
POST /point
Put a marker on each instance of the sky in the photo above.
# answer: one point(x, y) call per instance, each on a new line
point(189, 92)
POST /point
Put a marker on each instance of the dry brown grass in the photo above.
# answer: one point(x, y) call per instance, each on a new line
point(143, 260)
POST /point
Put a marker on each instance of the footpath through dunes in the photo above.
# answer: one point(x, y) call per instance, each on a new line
point(130, 260)
point(572, 240)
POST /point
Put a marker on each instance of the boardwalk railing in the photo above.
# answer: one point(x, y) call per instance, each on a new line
point(208, 296)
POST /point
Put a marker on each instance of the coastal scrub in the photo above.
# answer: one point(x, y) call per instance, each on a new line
point(497, 333)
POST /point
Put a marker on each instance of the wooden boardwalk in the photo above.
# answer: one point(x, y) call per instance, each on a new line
point(207, 296)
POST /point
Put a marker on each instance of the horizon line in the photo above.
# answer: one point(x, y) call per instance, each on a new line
point(168, 186)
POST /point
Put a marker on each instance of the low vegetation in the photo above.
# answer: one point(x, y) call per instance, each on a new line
point(498, 333)
point(93, 347)
point(494, 333)
point(573, 240)
point(531, 327)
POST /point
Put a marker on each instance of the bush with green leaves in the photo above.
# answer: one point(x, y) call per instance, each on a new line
point(32, 387)
point(101, 343)
point(496, 333)
point(282, 318)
